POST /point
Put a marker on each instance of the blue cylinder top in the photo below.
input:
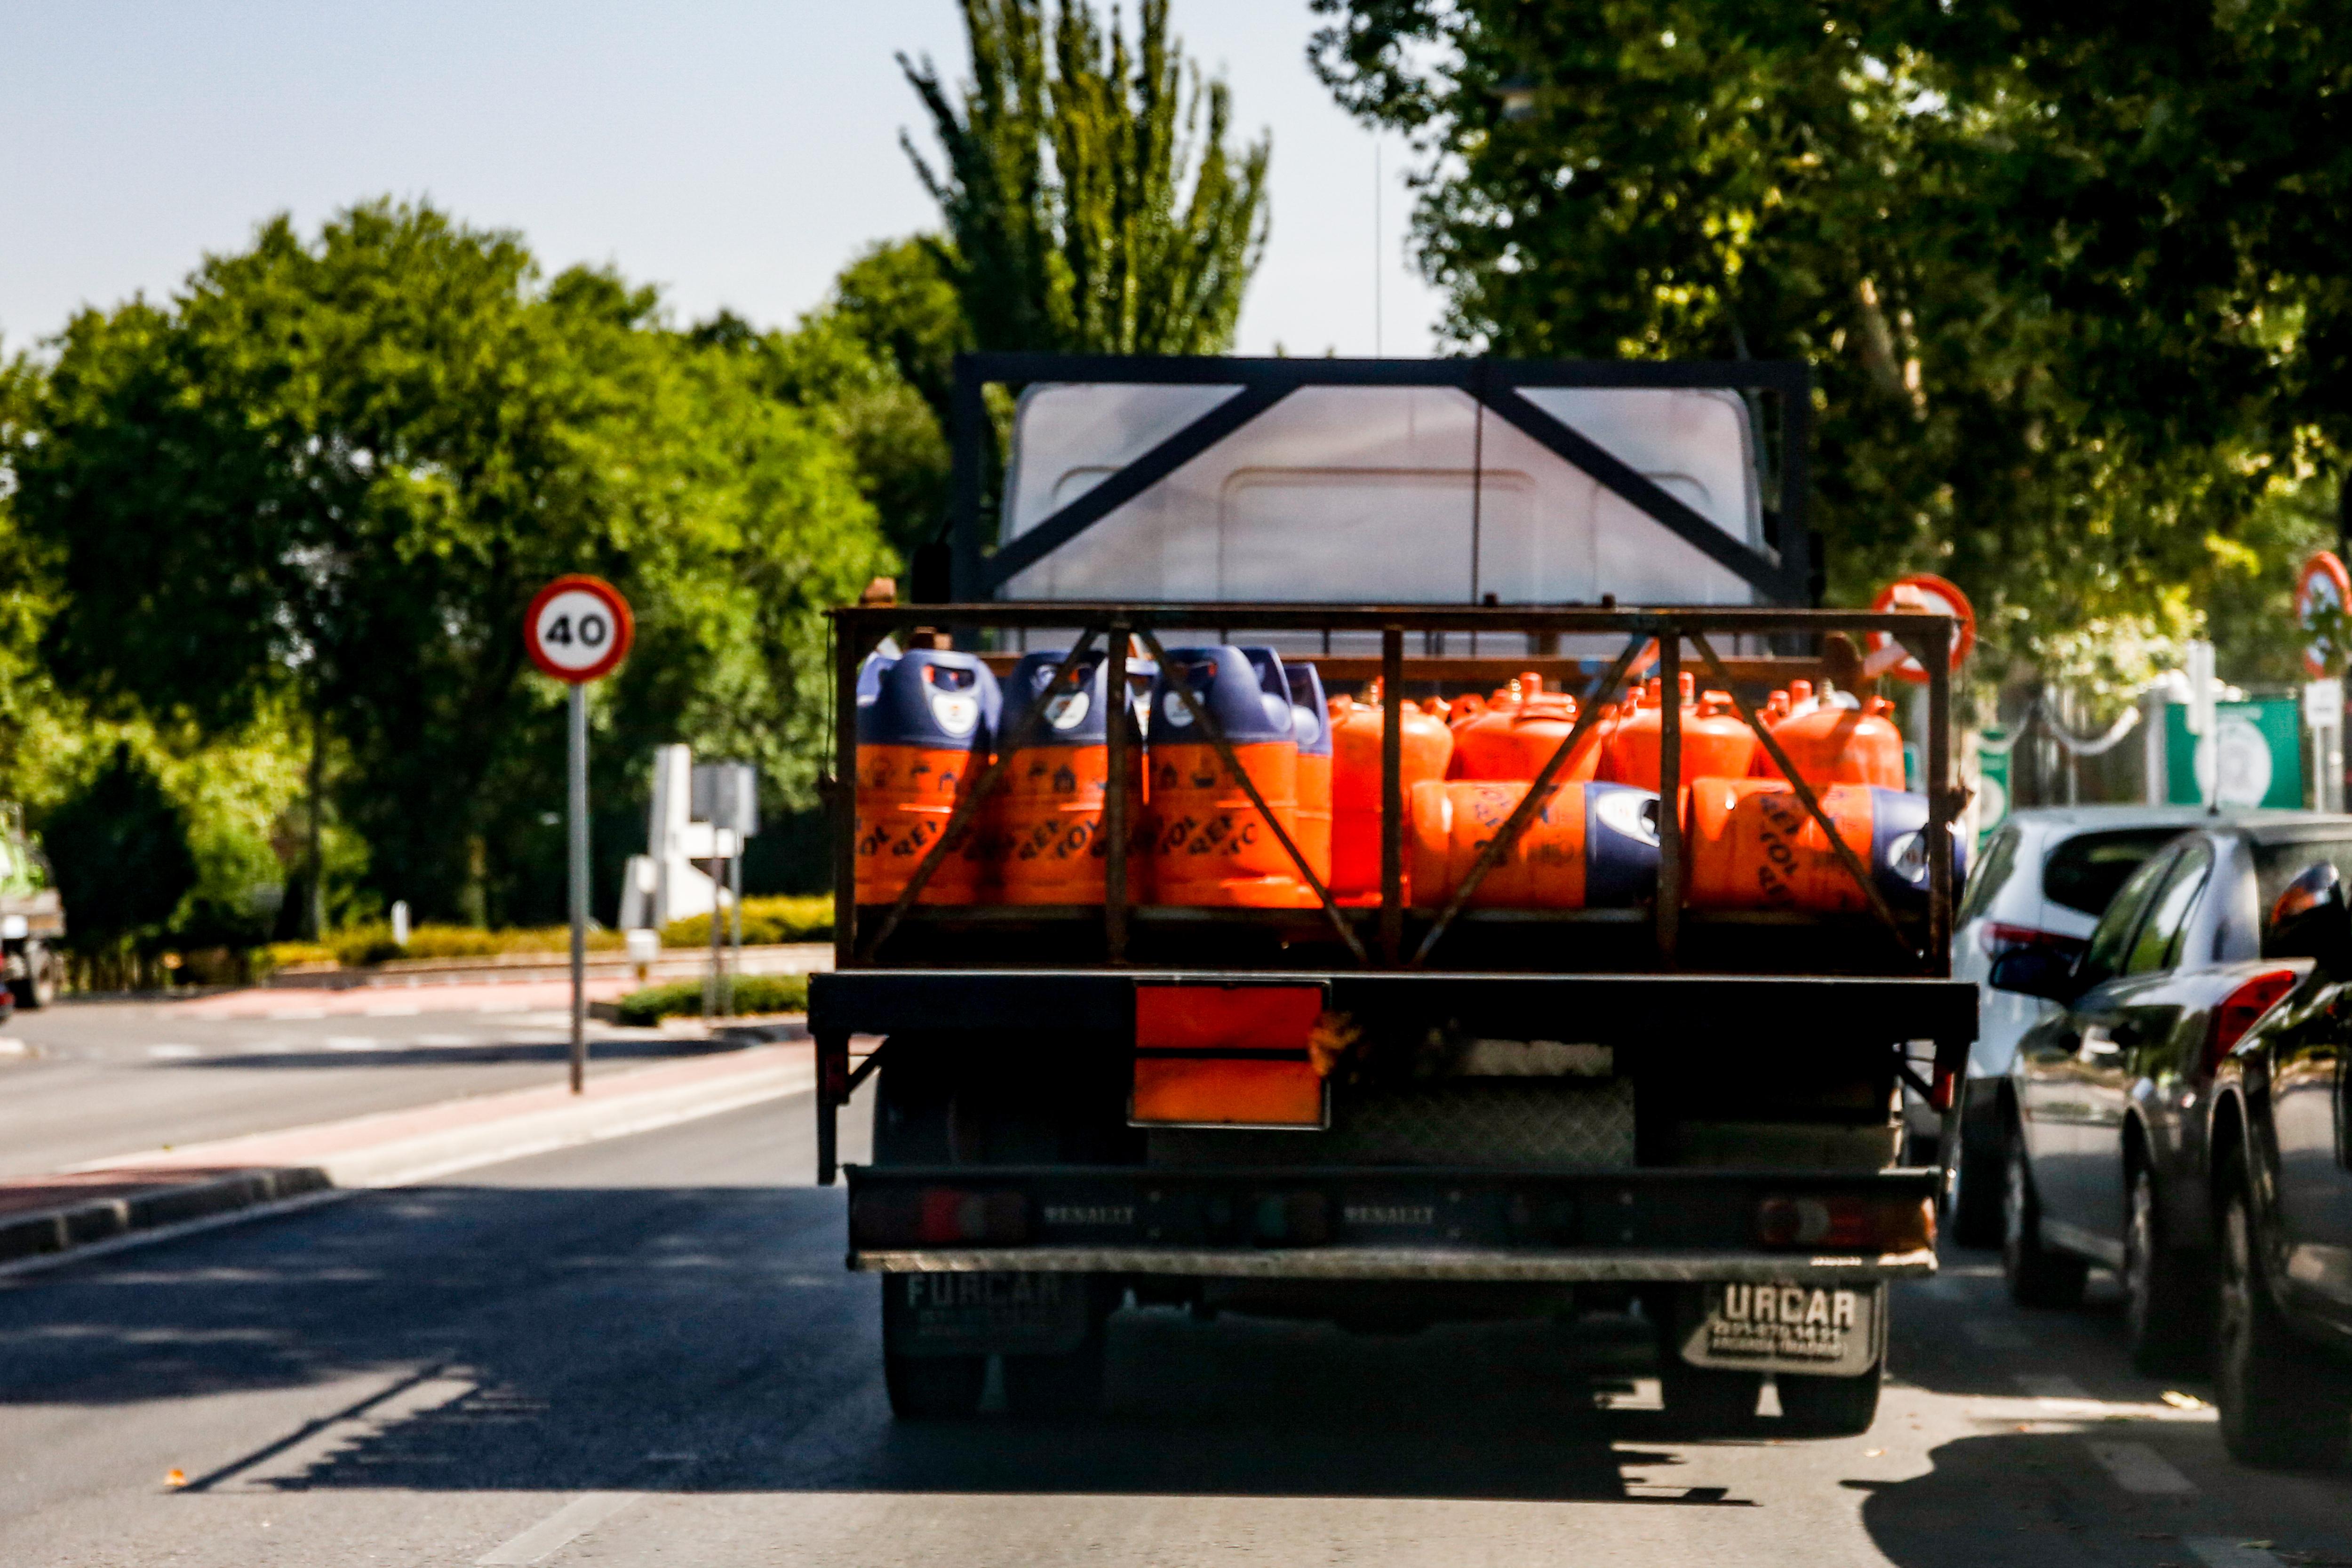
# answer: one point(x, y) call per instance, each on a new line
point(1310, 714)
point(1075, 717)
point(1898, 859)
point(927, 697)
point(1621, 845)
point(1227, 682)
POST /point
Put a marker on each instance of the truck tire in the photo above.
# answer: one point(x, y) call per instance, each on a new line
point(38, 988)
point(1054, 1387)
point(930, 1387)
point(1976, 1207)
point(1829, 1407)
point(2167, 1319)
point(2037, 1276)
point(2282, 1406)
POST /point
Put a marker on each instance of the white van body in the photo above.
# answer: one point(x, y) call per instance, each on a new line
point(1383, 495)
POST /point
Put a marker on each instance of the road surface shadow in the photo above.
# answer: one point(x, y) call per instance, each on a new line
point(709, 1339)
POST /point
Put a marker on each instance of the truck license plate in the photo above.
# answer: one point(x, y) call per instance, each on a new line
point(1832, 1330)
point(981, 1314)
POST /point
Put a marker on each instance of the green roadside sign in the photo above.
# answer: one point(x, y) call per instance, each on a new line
point(1992, 781)
point(2260, 751)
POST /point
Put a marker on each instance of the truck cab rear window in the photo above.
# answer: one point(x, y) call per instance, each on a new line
point(2087, 870)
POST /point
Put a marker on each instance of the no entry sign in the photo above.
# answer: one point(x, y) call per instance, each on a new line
point(578, 629)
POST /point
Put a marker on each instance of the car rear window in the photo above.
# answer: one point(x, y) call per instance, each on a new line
point(2275, 865)
point(2085, 871)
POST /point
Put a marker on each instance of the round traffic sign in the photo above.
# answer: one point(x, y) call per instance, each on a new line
point(2321, 593)
point(1925, 592)
point(578, 629)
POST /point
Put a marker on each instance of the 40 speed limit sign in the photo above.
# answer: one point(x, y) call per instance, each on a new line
point(578, 629)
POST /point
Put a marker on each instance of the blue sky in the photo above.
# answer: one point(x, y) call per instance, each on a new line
point(735, 154)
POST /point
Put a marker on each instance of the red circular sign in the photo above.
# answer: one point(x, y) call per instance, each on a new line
point(2323, 588)
point(1924, 591)
point(578, 629)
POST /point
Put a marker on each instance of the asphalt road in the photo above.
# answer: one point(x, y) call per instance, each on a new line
point(646, 1351)
point(93, 1079)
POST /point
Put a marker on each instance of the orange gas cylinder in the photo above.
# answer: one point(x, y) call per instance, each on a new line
point(1716, 742)
point(1592, 845)
point(1047, 816)
point(1830, 744)
point(1751, 844)
point(925, 724)
point(1424, 745)
point(1516, 741)
point(1310, 719)
point(1209, 845)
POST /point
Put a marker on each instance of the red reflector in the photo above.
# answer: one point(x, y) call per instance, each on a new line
point(1222, 1092)
point(1218, 1056)
point(2242, 1009)
point(1842, 1223)
point(1226, 1018)
point(940, 1217)
point(1947, 1080)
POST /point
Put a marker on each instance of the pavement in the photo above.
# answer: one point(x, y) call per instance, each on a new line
point(647, 1351)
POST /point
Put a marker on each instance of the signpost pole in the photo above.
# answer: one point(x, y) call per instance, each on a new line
point(578, 793)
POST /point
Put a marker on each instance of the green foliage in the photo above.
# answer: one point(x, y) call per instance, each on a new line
point(1064, 185)
point(754, 994)
point(2076, 342)
point(790, 917)
point(329, 476)
point(119, 849)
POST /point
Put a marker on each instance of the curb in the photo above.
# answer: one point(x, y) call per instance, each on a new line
point(538, 1123)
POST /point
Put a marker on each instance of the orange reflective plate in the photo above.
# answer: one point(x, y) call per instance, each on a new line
point(1237, 1091)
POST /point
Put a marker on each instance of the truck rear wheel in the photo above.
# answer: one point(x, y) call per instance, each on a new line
point(1829, 1406)
point(929, 1388)
point(1043, 1387)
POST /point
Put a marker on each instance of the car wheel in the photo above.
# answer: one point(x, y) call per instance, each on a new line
point(2037, 1276)
point(2166, 1295)
point(1976, 1208)
point(1829, 1406)
point(2282, 1405)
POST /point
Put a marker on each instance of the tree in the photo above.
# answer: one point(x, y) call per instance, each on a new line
point(1063, 186)
point(120, 848)
point(330, 474)
point(2055, 334)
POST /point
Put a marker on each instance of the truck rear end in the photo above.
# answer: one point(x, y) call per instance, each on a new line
point(1493, 1076)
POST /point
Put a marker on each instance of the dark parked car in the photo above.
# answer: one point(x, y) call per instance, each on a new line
point(2281, 1138)
point(2106, 1106)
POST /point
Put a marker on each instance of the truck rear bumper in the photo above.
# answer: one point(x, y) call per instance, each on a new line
point(1594, 1266)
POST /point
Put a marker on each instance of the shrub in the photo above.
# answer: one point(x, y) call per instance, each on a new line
point(785, 918)
point(754, 994)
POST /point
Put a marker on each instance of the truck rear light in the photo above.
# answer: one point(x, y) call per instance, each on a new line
point(2242, 1009)
point(1997, 937)
point(1847, 1223)
point(940, 1217)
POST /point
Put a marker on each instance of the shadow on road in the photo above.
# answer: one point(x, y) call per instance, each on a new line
point(391, 1054)
point(708, 1339)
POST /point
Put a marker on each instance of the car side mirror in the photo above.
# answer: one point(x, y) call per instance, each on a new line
point(2311, 921)
point(2034, 972)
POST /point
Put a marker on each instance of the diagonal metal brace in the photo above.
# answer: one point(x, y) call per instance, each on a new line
point(1525, 812)
point(1804, 793)
point(969, 803)
point(1226, 754)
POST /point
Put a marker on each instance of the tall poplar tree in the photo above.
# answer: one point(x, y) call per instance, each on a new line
point(1091, 202)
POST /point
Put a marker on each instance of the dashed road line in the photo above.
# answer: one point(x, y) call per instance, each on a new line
point(2136, 1467)
point(559, 1528)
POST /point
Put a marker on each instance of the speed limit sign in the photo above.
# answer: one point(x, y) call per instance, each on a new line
point(578, 629)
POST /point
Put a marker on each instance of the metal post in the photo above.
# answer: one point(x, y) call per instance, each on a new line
point(718, 926)
point(1943, 801)
point(1392, 795)
point(577, 792)
point(848, 639)
point(735, 913)
point(1117, 829)
point(1670, 795)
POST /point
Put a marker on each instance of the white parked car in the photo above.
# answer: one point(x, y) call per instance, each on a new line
point(2043, 880)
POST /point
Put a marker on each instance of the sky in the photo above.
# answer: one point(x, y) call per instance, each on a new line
point(735, 154)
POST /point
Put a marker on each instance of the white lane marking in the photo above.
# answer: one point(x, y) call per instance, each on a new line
point(393, 1010)
point(442, 1040)
point(2137, 1468)
point(282, 1014)
point(2228, 1551)
point(1995, 1335)
point(350, 1043)
point(172, 1051)
point(559, 1528)
point(11, 1046)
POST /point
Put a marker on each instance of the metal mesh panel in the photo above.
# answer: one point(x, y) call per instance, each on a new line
point(1519, 1122)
